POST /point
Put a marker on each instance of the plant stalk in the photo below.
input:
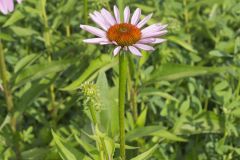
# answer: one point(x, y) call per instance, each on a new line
point(85, 11)
point(47, 41)
point(122, 92)
point(9, 101)
point(102, 146)
point(5, 80)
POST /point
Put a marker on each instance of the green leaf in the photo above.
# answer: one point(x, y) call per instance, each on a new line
point(152, 131)
point(182, 43)
point(141, 132)
point(168, 135)
point(16, 16)
point(6, 37)
point(142, 118)
point(23, 32)
point(68, 7)
point(25, 61)
point(40, 70)
point(144, 7)
point(101, 64)
point(30, 95)
point(35, 154)
point(156, 92)
point(147, 154)
point(185, 106)
point(109, 106)
point(177, 71)
point(66, 151)
point(91, 150)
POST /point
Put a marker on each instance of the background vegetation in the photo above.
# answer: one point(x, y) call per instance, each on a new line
point(183, 99)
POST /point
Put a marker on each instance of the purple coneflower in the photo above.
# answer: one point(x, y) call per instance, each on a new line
point(7, 6)
point(127, 35)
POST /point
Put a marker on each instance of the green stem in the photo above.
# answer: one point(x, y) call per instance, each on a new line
point(121, 6)
point(47, 41)
point(122, 91)
point(9, 101)
point(3, 73)
point(85, 11)
point(93, 113)
point(68, 31)
point(102, 146)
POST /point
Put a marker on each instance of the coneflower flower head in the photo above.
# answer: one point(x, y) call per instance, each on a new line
point(126, 35)
point(7, 6)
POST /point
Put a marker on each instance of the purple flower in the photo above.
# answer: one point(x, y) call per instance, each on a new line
point(7, 6)
point(126, 35)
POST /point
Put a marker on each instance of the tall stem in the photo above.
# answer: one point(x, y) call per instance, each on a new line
point(85, 11)
point(102, 146)
point(122, 92)
point(9, 100)
point(47, 40)
point(3, 73)
point(68, 31)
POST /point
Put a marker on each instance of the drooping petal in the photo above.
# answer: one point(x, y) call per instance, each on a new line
point(108, 16)
point(153, 28)
point(159, 40)
point(134, 51)
point(105, 43)
point(144, 47)
point(3, 7)
point(163, 27)
point(7, 6)
point(94, 30)
point(95, 40)
point(101, 18)
point(117, 14)
point(136, 16)
point(126, 15)
point(10, 5)
point(147, 40)
point(99, 22)
point(116, 50)
point(144, 21)
point(154, 34)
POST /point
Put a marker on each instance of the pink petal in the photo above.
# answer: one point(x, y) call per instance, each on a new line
point(10, 5)
point(144, 21)
point(147, 40)
point(154, 34)
point(101, 18)
point(126, 15)
point(3, 7)
point(105, 43)
point(153, 28)
point(136, 16)
point(159, 40)
point(144, 47)
point(163, 26)
point(95, 40)
point(117, 14)
point(116, 50)
point(19, 1)
point(134, 51)
point(99, 22)
point(94, 30)
point(108, 17)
